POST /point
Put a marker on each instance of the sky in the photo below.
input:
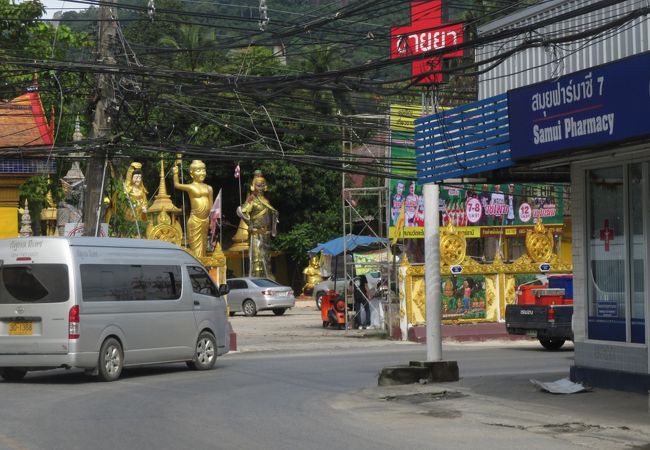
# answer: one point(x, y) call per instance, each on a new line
point(58, 5)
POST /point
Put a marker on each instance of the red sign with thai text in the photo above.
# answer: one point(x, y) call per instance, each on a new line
point(426, 33)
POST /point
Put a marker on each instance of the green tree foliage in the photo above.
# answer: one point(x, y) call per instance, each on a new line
point(17, 21)
point(193, 44)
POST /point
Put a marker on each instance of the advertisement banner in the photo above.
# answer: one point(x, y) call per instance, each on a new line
point(402, 118)
point(496, 210)
point(405, 194)
point(497, 206)
point(369, 261)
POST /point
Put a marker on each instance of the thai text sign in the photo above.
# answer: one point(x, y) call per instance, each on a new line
point(426, 33)
point(600, 105)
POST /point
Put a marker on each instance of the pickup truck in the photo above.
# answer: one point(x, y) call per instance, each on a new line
point(544, 312)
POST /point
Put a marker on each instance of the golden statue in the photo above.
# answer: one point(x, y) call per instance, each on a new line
point(261, 219)
point(136, 192)
point(312, 274)
point(200, 200)
point(48, 214)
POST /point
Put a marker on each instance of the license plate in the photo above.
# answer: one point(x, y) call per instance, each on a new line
point(532, 333)
point(20, 328)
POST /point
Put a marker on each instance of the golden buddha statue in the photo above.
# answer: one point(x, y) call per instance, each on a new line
point(136, 192)
point(312, 275)
point(261, 219)
point(200, 201)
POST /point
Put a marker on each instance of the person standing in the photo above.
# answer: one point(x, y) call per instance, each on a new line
point(410, 206)
point(398, 199)
point(497, 199)
point(361, 300)
point(418, 220)
point(484, 198)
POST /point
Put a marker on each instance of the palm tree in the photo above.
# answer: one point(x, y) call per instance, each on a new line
point(321, 59)
point(193, 43)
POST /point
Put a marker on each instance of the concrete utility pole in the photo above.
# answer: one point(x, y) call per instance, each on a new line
point(96, 171)
point(431, 192)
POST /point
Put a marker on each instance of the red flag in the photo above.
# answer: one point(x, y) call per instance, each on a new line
point(215, 219)
point(237, 170)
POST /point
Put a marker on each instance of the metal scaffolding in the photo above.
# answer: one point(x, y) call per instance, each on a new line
point(366, 212)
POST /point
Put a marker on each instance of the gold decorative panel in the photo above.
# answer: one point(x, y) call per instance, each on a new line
point(497, 279)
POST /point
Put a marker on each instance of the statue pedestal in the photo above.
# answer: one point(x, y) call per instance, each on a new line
point(216, 265)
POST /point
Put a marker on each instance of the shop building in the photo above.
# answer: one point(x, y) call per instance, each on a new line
point(578, 100)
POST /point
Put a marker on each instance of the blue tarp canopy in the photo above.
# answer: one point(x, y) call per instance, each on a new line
point(352, 242)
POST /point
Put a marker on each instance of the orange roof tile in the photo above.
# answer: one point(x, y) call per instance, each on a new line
point(23, 122)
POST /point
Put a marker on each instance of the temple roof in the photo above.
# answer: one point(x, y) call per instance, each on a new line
point(23, 122)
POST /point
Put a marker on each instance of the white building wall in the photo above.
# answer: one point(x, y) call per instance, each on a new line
point(538, 64)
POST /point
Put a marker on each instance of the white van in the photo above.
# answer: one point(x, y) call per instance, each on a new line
point(102, 304)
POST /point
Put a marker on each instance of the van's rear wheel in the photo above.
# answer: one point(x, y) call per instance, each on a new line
point(12, 374)
point(205, 353)
point(111, 360)
point(551, 344)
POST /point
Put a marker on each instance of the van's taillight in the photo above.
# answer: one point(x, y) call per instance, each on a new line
point(550, 315)
point(73, 322)
point(23, 258)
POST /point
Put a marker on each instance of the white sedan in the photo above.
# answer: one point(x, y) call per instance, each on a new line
point(251, 295)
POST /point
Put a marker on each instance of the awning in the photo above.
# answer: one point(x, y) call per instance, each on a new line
point(352, 242)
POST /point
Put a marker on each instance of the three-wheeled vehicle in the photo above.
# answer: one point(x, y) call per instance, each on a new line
point(333, 310)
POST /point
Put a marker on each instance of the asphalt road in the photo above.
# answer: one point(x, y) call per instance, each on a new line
point(294, 385)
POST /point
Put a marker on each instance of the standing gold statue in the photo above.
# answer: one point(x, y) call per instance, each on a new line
point(261, 219)
point(200, 200)
point(136, 191)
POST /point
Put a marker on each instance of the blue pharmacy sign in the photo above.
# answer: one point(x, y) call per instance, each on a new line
point(600, 105)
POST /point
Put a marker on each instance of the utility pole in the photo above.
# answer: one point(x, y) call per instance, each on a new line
point(96, 171)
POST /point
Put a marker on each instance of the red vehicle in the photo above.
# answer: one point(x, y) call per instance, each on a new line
point(332, 310)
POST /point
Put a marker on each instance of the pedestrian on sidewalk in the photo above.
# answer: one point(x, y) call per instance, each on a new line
point(361, 300)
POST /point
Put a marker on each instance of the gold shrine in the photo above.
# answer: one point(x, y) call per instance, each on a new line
point(499, 276)
point(162, 223)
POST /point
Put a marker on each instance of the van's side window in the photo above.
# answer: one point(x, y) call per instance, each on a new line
point(125, 282)
point(201, 281)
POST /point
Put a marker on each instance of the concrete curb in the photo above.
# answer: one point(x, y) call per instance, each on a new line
point(417, 371)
